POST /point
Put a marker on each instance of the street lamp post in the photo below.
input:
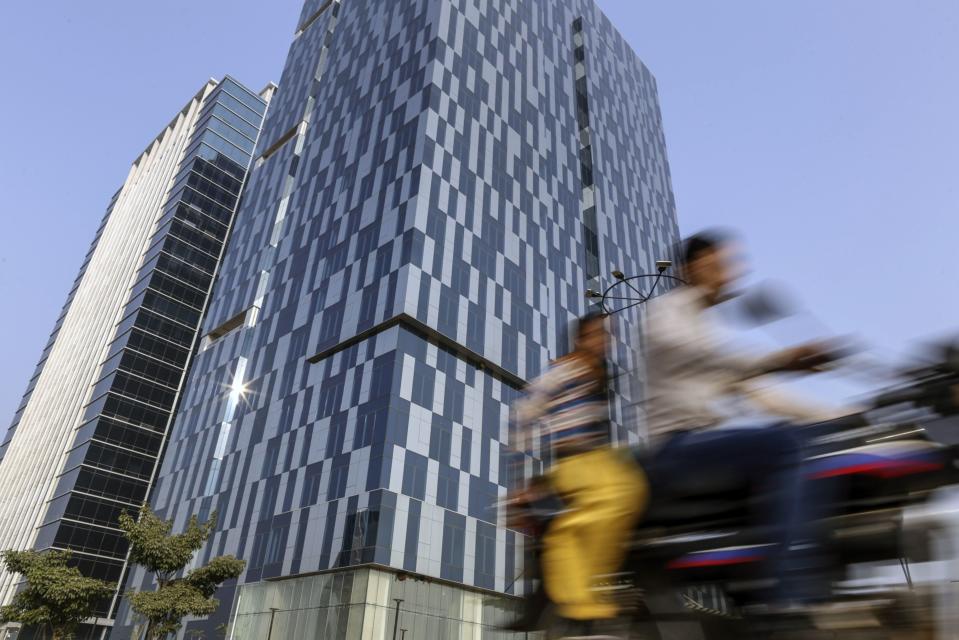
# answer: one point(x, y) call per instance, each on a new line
point(396, 618)
point(269, 634)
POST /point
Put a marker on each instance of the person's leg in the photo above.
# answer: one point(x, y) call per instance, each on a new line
point(605, 495)
point(619, 497)
point(566, 572)
point(769, 459)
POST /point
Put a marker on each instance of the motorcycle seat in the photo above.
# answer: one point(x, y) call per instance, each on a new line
point(695, 510)
point(693, 498)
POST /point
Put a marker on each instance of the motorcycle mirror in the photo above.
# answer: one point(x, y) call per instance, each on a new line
point(950, 355)
point(765, 303)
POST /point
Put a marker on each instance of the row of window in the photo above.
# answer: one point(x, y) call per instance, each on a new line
point(169, 308)
point(200, 149)
point(210, 207)
point(207, 187)
point(98, 568)
point(115, 432)
point(85, 538)
point(186, 232)
point(95, 511)
point(214, 122)
point(224, 147)
point(216, 173)
point(167, 286)
point(143, 390)
point(183, 274)
point(144, 366)
point(103, 483)
point(195, 219)
point(221, 112)
point(239, 101)
point(156, 325)
point(190, 256)
point(127, 410)
point(157, 347)
point(103, 456)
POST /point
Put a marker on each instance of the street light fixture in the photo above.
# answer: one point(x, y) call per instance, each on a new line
point(630, 291)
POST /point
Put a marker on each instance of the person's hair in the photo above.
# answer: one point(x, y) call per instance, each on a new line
point(701, 243)
point(578, 329)
point(584, 321)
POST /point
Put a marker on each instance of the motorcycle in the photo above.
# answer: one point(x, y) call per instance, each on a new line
point(883, 474)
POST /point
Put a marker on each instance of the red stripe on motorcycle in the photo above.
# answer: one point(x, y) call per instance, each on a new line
point(689, 563)
point(881, 468)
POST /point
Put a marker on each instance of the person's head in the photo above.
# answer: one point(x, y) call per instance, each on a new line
point(592, 335)
point(710, 263)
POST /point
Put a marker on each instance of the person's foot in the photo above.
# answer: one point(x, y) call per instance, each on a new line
point(786, 609)
point(719, 605)
point(591, 630)
point(530, 614)
point(849, 614)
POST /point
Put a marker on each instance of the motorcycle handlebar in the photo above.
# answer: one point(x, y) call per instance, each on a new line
point(899, 396)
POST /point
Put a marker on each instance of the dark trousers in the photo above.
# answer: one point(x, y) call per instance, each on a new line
point(770, 460)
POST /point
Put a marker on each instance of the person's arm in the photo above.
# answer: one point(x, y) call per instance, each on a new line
point(676, 340)
point(780, 403)
point(528, 409)
point(524, 414)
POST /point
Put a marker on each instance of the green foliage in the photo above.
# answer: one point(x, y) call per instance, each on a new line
point(153, 546)
point(169, 604)
point(207, 579)
point(55, 596)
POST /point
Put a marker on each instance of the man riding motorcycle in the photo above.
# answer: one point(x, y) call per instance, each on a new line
point(696, 384)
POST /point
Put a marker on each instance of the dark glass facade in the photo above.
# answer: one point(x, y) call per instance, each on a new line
point(116, 449)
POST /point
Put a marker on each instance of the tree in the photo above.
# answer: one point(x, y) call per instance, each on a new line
point(153, 547)
point(55, 596)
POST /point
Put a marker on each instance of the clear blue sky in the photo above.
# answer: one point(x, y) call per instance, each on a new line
point(826, 131)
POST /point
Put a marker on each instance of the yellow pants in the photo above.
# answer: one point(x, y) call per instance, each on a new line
point(605, 494)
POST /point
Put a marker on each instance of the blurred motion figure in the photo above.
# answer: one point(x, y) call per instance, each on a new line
point(603, 491)
point(696, 383)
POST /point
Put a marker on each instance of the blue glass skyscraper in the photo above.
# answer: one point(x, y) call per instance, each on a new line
point(436, 185)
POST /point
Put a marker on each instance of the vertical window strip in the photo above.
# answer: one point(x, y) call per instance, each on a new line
point(587, 200)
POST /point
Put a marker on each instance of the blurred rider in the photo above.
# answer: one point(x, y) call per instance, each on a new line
point(566, 412)
point(695, 383)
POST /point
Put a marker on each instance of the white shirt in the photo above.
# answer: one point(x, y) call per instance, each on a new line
point(692, 376)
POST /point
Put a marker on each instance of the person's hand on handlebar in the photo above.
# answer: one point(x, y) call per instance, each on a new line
point(810, 356)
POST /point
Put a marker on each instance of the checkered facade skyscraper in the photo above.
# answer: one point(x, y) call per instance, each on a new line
point(436, 185)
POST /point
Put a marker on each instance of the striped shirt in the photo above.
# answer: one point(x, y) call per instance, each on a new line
point(564, 409)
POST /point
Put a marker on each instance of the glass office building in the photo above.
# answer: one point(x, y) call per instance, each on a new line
point(436, 185)
point(85, 442)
